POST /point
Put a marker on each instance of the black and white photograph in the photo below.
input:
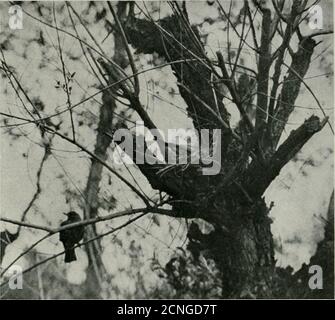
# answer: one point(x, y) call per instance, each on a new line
point(167, 150)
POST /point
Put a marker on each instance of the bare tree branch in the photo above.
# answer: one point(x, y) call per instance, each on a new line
point(165, 39)
point(264, 65)
point(291, 87)
point(260, 176)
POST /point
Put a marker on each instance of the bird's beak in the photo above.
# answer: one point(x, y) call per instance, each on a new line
point(65, 213)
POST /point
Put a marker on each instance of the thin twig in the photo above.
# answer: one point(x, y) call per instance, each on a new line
point(66, 81)
point(225, 77)
point(129, 54)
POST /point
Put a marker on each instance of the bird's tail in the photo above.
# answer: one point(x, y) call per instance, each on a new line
point(70, 255)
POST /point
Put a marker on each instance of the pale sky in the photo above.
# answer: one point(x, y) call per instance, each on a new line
point(300, 194)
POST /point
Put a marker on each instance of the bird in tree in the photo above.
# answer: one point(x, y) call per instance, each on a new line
point(70, 237)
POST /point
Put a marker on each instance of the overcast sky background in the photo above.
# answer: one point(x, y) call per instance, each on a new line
point(301, 193)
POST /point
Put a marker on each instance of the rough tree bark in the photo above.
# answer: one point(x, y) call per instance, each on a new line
point(242, 242)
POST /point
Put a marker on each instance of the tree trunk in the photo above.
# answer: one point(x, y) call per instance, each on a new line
point(242, 243)
point(96, 270)
point(242, 247)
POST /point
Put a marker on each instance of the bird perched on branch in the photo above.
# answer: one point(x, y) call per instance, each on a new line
point(70, 237)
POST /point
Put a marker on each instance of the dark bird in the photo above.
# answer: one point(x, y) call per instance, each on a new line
point(70, 237)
